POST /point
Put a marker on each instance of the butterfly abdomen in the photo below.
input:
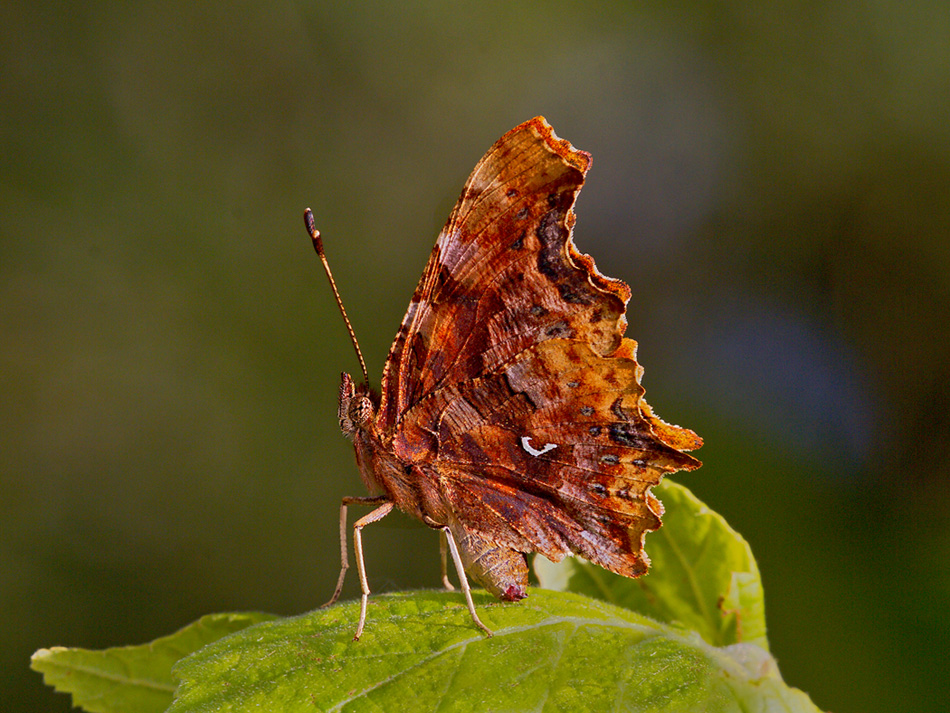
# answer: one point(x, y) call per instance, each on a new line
point(502, 571)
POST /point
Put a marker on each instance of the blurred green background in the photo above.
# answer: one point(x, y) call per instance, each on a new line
point(773, 180)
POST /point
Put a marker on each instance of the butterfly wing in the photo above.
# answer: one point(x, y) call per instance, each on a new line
point(510, 385)
point(503, 274)
point(554, 454)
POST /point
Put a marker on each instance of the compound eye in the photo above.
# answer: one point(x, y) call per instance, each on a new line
point(361, 410)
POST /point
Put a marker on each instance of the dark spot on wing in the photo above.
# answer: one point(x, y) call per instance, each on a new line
point(553, 263)
point(558, 329)
point(617, 409)
point(626, 435)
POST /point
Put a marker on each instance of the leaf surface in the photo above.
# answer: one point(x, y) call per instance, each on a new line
point(420, 651)
point(132, 678)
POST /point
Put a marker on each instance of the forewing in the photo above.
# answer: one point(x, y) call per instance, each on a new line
point(503, 275)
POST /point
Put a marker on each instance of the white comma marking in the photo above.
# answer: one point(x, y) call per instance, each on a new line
point(526, 444)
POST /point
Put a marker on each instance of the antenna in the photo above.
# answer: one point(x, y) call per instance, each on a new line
point(318, 246)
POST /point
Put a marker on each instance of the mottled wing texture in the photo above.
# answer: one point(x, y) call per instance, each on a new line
point(510, 383)
point(555, 453)
point(500, 277)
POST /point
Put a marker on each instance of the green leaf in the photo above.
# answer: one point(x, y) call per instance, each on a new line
point(703, 575)
point(132, 678)
point(421, 652)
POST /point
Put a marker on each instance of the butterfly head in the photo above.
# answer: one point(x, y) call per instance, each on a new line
point(356, 408)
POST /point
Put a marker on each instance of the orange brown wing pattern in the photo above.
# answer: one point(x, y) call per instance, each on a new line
point(553, 454)
point(510, 385)
point(503, 275)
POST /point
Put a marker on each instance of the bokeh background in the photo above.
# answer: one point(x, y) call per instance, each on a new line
point(772, 179)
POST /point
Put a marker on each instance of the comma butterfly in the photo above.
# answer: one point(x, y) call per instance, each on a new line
point(511, 415)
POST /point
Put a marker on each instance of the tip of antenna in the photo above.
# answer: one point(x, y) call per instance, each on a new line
point(312, 229)
point(318, 246)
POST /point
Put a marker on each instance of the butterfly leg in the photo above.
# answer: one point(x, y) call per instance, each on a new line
point(444, 552)
point(463, 580)
point(344, 560)
point(377, 514)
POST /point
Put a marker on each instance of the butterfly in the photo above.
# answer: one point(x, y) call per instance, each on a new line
point(511, 415)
